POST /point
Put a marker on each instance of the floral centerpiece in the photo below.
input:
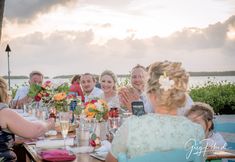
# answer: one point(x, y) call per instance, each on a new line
point(41, 92)
point(97, 109)
point(52, 95)
point(60, 99)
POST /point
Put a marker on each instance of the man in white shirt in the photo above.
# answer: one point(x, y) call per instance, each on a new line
point(88, 82)
point(138, 78)
point(21, 97)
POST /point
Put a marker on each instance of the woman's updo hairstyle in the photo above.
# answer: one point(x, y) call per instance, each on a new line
point(173, 93)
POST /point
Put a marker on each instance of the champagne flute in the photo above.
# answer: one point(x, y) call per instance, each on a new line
point(113, 124)
point(64, 124)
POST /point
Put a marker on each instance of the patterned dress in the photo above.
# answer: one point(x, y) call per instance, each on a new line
point(6, 142)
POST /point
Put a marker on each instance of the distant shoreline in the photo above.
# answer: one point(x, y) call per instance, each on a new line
point(195, 74)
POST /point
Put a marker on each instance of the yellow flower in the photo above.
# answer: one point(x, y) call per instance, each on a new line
point(60, 96)
point(96, 109)
point(89, 113)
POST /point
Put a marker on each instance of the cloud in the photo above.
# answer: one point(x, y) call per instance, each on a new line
point(214, 36)
point(107, 3)
point(104, 25)
point(26, 10)
point(70, 52)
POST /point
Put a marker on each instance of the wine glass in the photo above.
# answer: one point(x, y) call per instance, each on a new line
point(113, 124)
point(64, 118)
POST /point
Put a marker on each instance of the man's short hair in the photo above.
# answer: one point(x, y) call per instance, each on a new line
point(93, 77)
point(139, 66)
point(35, 73)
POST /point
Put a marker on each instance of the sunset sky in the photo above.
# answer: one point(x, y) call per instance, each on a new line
point(76, 36)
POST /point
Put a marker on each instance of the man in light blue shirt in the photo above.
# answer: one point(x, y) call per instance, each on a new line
point(21, 97)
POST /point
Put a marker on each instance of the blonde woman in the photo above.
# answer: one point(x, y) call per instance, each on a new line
point(11, 124)
point(108, 81)
point(163, 130)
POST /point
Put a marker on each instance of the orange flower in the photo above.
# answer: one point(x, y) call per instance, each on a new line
point(40, 94)
point(88, 112)
point(96, 109)
point(60, 96)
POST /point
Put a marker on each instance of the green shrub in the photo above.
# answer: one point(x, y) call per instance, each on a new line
point(221, 96)
point(124, 82)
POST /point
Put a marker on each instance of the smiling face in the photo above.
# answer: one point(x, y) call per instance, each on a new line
point(138, 79)
point(107, 84)
point(87, 83)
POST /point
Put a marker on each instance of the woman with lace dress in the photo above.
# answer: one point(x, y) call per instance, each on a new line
point(108, 81)
point(162, 130)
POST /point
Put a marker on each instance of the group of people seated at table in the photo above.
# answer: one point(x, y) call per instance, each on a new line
point(171, 118)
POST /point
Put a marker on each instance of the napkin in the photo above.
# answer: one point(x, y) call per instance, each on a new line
point(82, 149)
point(54, 143)
point(105, 147)
point(57, 155)
point(51, 133)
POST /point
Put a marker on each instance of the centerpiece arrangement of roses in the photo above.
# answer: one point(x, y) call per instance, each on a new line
point(51, 95)
point(96, 108)
point(41, 92)
point(60, 98)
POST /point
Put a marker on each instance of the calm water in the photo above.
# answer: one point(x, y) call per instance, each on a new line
point(193, 81)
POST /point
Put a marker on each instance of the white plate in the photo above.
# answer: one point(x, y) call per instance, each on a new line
point(100, 155)
point(51, 133)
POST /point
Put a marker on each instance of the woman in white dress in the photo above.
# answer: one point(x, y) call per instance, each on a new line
point(108, 81)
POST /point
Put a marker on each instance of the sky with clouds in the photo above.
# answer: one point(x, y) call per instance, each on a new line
point(76, 36)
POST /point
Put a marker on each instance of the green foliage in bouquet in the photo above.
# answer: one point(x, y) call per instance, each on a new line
point(79, 108)
point(62, 88)
point(60, 100)
point(34, 90)
point(221, 96)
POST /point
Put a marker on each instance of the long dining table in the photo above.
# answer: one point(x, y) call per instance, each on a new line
point(31, 155)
